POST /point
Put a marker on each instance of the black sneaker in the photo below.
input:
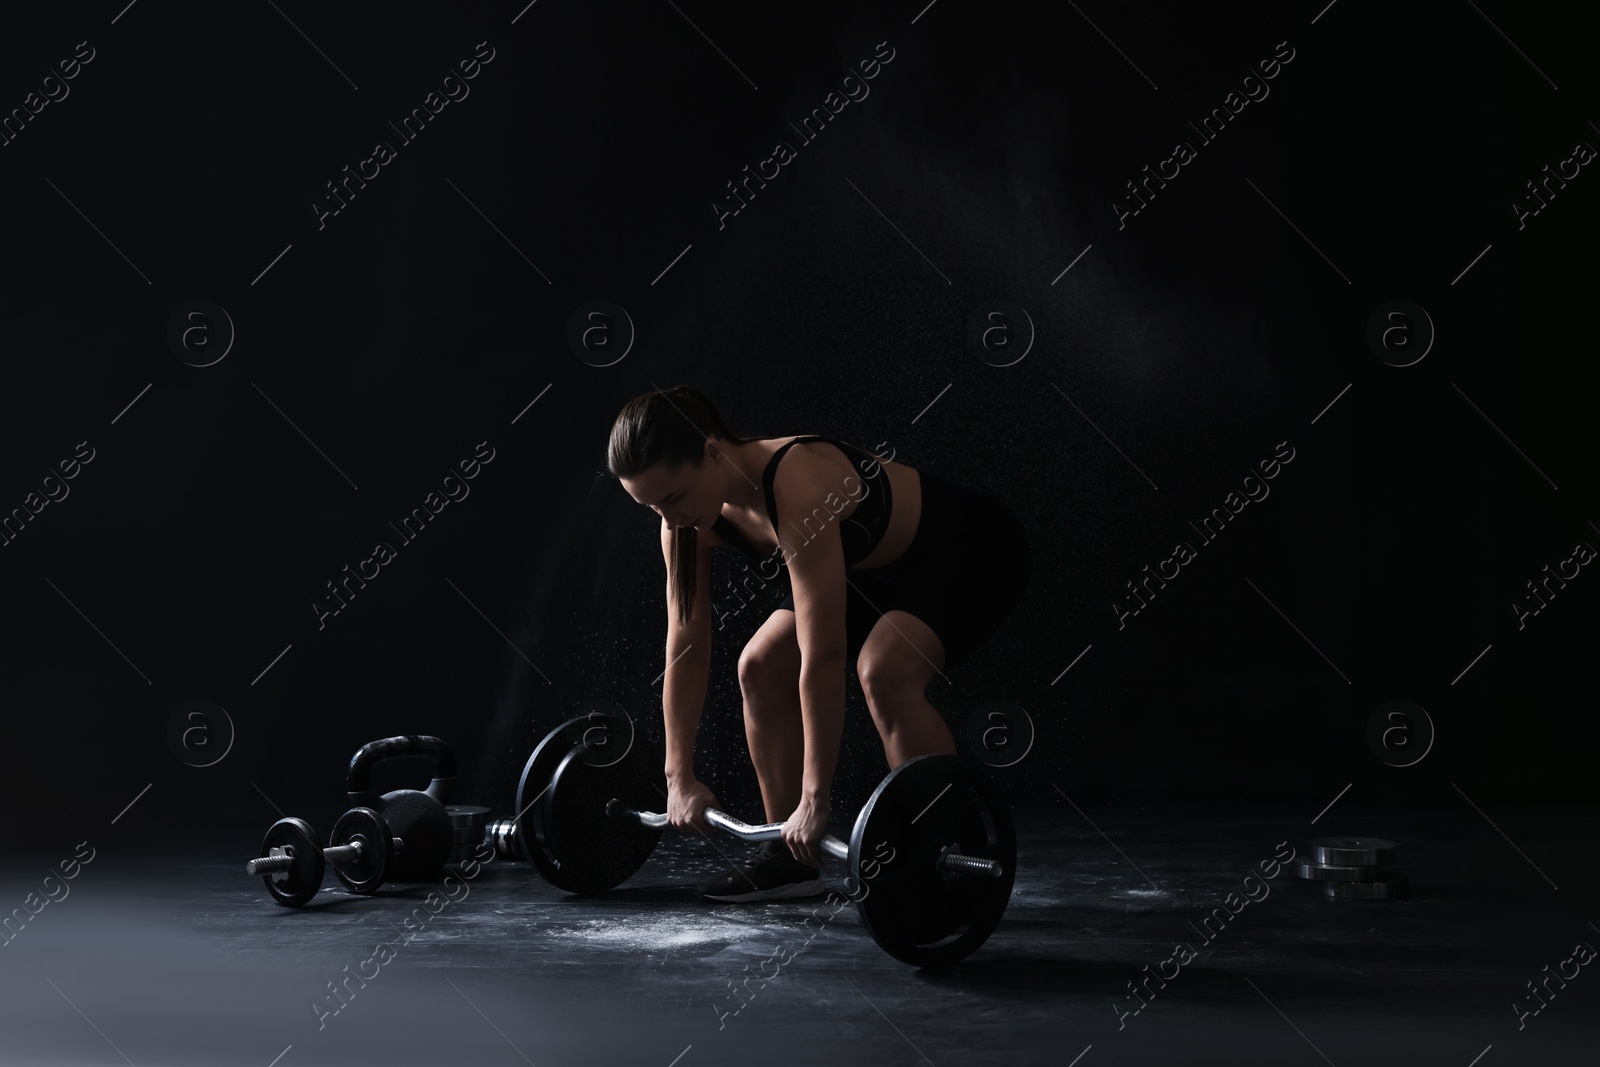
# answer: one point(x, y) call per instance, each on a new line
point(771, 873)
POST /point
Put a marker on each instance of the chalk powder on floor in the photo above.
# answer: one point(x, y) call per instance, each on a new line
point(661, 933)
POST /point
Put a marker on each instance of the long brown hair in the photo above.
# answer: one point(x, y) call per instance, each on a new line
point(668, 426)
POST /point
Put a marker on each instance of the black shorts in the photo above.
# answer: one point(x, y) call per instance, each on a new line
point(964, 572)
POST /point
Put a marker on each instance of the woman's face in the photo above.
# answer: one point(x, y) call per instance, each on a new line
point(687, 496)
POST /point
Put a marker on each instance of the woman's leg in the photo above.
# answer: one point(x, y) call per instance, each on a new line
point(769, 678)
point(899, 659)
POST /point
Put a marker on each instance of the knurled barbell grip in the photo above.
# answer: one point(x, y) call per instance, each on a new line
point(948, 860)
point(771, 831)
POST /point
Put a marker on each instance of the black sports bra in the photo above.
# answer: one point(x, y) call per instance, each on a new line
point(861, 532)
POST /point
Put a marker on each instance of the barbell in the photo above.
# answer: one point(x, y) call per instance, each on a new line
point(584, 820)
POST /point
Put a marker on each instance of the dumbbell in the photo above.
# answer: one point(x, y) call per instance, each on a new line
point(360, 850)
point(584, 820)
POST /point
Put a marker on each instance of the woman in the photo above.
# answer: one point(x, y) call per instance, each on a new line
point(891, 568)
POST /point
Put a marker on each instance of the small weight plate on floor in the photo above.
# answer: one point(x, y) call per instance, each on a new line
point(1388, 886)
point(589, 851)
point(915, 912)
point(469, 815)
point(1324, 872)
point(1354, 851)
point(462, 853)
point(294, 888)
point(363, 875)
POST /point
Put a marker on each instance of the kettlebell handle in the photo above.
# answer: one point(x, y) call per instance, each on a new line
point(359, 779)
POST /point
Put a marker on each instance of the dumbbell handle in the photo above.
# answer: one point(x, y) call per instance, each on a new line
point(948, 860)
point(284, 861)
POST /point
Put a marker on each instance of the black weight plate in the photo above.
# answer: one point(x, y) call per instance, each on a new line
point(363, 875)
point(915, 912)
point(1388, 886)
point(590, 851)
point(474, 816)
point(536, 777)
point(466, 833)
point(1324, 872)
point(1354, 851)
point(294, 887)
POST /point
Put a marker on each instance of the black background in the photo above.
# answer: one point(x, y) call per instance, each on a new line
point(409, 328)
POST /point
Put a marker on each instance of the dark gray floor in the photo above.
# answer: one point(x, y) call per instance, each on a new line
point(150, 962)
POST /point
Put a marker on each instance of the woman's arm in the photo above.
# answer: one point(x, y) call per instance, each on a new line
point(688, 660)
point(815, 557)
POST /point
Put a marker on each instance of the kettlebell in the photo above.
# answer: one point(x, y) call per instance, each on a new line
point(416, 816)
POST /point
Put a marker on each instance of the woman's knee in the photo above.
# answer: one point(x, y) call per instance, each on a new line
point(764, 665)
point(888, 682)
